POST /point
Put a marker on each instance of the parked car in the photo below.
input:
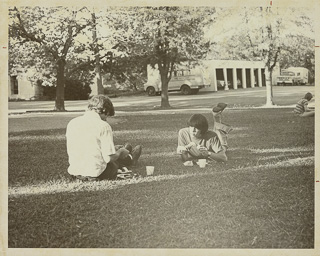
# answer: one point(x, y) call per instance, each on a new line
point(293, 76)
point(188, 80)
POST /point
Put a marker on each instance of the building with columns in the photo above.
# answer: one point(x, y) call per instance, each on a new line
point(223, 75)
point(236, 74)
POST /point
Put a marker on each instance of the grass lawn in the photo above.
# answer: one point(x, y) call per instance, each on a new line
point(263, 197)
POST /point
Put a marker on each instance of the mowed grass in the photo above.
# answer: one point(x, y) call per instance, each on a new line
point(263, 197)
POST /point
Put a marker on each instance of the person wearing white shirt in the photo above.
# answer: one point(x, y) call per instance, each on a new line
point(90, 147)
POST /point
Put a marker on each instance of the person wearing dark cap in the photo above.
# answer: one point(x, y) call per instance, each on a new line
point(302, 108)
point(90, 147)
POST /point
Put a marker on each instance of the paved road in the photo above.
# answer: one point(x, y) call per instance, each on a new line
point(252, 97)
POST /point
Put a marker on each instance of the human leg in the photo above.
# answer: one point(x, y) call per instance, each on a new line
point(111, 171)
point(85, 178)
point(217, 112)
point(127, 146)
point(136, 153)
point(133, 157)
point(220, 128)
point(308, 114)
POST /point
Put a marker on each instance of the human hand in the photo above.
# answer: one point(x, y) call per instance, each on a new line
point(190, 145)
point(204, 151)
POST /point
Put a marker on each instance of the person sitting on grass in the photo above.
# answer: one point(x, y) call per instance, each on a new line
point(90, 147)
point(197, 142)
point(302, 108)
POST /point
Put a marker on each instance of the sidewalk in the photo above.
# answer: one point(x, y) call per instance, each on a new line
point(145, 112)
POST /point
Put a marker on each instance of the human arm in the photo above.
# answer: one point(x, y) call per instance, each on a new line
point(184, 141)
point(108, 150)
point(219, 156)
point(215, 151)
point(306, 108)
point(186, 147)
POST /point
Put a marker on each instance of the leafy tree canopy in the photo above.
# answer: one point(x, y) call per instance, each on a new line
point(163, 36)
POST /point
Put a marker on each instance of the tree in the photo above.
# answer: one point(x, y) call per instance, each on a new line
point(104, 47)
point(300, 53)
point(269, 34)
point(163, 37)
point(130, 72)
point(48, 35)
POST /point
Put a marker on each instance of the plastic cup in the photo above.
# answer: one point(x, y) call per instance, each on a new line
point(150, 170)
point(202, 163)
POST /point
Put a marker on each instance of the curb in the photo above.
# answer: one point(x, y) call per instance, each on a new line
point(145, 112)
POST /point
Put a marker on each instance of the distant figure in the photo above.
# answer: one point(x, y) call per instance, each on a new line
point(196, 141)
point(302, 108)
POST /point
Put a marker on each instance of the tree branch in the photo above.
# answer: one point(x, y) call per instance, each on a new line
point(84, 64)
point(78, 67)
point(31, 37)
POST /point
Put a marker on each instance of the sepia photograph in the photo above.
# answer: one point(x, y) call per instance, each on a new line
point(159, 125)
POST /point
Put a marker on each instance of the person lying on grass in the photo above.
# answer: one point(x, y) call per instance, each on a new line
point(197, 142)
point(302, 108)
point(90, 147)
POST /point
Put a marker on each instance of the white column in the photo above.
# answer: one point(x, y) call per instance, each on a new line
point(214, 80)
point(226, 86)
point(252, 77)
point(234, 76)
point(244, 80)
point(260, 77)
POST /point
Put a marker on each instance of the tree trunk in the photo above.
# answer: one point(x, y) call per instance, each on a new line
point(97, 87)
point(269, 101)
point(59, 104)
point(135, 86)
point(164, 92)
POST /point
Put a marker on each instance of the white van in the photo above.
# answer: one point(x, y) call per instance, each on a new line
point(187, 79)
point(293, 76)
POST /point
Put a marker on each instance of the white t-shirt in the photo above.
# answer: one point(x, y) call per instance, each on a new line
point(89, 145)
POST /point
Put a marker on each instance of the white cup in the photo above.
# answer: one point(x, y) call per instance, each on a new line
point(202, 163)
point(150, 170)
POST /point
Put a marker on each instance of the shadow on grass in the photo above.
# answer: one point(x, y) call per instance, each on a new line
point(263, 197)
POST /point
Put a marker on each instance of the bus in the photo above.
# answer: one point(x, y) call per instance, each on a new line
point(185, 78)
